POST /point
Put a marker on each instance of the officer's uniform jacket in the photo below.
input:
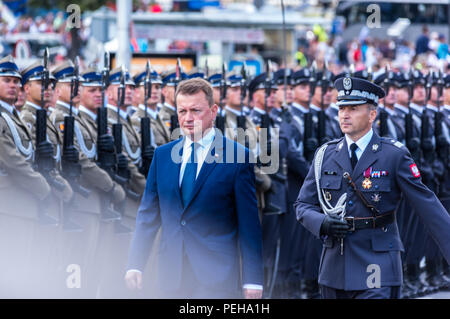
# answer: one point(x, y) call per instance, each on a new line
point(396, 175)
point(21, 187)
point(92, 177)
point(160, 132)
point(131, 147)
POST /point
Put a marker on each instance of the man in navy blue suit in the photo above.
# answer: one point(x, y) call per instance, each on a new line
point(201, 191)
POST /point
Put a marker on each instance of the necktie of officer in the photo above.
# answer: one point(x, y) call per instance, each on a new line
point(353, 158)
point(190, 173)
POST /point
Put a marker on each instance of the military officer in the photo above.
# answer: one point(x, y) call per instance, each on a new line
point(22, 189)
point(160, 131)
point(350, 196)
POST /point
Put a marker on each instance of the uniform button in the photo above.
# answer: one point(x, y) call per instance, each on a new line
point(350, 203)
point(376, 186)
point(390, 245)
point(183, 222)
point(328, 183)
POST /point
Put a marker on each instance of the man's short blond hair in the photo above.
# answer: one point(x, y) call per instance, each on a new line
point(193, 86)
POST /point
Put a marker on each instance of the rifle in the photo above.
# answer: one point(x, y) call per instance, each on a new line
point(123, 173)
point(240, 120)
point(383, 114)
point(426, 142)
point(310, 143)
point(442, 146)
point(412, 142)
point(321, 129)
point(45, 164)
point(146, 138)
point(265, 118)
point(220, 120)
point(71, 168)
point(105, 160)
point(174, 118)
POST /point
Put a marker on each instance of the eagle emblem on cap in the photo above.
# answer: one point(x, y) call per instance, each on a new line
point(306, 72)
point(347, 84)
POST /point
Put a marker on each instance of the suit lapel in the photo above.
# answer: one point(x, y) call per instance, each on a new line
point(368, 157)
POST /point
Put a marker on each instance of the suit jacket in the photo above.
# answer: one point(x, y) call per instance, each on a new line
point(373, 245)
point(220, 220)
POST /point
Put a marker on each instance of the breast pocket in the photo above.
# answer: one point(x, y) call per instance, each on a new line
point(331, 182)
point(382, 184)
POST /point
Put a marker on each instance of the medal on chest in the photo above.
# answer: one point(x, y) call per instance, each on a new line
point(367, 183)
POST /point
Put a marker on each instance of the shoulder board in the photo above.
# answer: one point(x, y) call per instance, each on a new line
point(336, 141)
point(391, 141)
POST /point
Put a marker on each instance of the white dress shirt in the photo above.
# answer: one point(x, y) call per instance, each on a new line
point(362, 144)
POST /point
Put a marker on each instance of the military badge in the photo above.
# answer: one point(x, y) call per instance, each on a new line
point(347, 84)
point(415, 171)
point(168, 124)
point(367, 183)
point(376, 198)
point(61, 127)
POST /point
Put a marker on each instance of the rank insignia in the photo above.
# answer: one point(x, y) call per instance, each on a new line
point(376, 198)
point(375, 147)
point(367, 183)
point(328, 196)
point(340, 146)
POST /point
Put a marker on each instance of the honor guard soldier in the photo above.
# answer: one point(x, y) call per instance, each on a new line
point(89, 182)
point(37, 84)
point(168, 110)
point(303, 82)
point(23, 191)
point(385, 125)
point(262, 90)
point(160, 131)
point(350, 195)
point(284, 96)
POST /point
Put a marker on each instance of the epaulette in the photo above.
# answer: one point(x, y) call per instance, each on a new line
point(391, 141)
point(335, 141)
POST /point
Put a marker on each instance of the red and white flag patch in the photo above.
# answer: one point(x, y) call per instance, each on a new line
point(415, 171)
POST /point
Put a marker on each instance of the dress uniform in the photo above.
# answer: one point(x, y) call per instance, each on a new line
point(45, 237)
point(168, 110)
point(22, 190)
point(79, 247)
point(294, 240)
point(160, 132)
point(364, 188)
point(395, 130)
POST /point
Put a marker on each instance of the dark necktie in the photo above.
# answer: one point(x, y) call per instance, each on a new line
point(353, 158)
point(190, 172)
